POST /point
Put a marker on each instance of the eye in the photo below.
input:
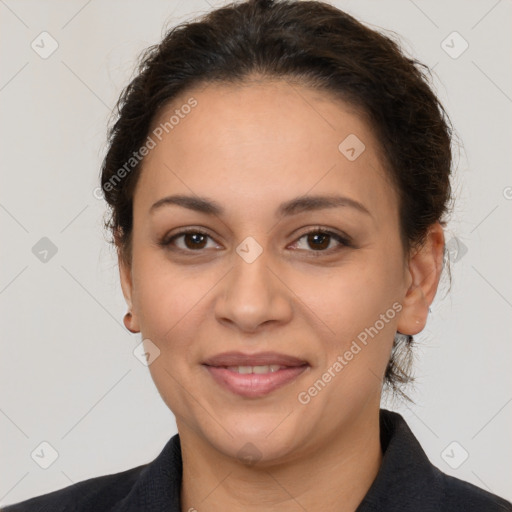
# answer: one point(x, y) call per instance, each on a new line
point(192, 240)
point(320, 240)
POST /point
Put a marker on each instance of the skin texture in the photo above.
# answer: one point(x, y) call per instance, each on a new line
point(250, 148)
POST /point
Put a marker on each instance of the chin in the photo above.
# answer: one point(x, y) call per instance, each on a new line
point(253, 442)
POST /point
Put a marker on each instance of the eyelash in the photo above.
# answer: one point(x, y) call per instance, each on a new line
point(344, 240)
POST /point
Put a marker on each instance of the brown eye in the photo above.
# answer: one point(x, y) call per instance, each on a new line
point(192, 240)
point(317, 240)
point(320, 240)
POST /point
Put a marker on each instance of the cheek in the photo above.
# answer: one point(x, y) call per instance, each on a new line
point(163, 293)
point(169, 302)
point(170, 306)
point(360, 307)
point(349, 298)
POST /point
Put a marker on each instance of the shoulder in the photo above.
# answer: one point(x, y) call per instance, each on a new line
point(154, 485)
point(408, 480)
point(464, 496)
point(100, 493)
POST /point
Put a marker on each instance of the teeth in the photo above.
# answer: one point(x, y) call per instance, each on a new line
point(255, 369)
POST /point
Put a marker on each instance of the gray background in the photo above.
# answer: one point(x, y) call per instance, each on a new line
point(67, 372)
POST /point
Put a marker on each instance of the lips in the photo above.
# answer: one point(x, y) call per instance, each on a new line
point(254, 385)
point(254, 375)
point(227, 359)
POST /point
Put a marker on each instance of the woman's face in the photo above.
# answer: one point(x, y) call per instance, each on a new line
point(256, 281)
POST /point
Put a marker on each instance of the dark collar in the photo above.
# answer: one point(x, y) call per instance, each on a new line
point(406, 479)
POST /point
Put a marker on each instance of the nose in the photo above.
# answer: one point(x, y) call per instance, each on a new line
point(253, 295)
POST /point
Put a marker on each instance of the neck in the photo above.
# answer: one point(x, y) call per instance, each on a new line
point(334, 477)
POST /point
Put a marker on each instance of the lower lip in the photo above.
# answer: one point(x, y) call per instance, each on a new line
point(254, 385)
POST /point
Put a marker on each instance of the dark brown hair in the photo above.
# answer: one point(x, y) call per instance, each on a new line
point(310, 43)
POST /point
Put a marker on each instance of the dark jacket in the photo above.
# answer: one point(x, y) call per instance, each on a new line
point(406, 481)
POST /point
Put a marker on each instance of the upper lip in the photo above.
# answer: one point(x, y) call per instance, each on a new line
point(259, 359)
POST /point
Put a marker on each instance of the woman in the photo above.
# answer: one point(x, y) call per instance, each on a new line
point(278, 178)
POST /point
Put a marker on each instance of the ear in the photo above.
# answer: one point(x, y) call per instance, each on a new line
point(424, 271)
point(125, 274)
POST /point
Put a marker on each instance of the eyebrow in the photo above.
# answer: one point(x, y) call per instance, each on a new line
point(286, 209)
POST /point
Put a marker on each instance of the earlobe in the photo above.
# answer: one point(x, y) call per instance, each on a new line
point(424, 270)
point(129, 322)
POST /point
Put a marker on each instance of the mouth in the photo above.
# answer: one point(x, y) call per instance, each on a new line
point(240, 359)
point(254, 375)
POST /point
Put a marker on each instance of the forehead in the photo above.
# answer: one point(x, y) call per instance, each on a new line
point(262, 142)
